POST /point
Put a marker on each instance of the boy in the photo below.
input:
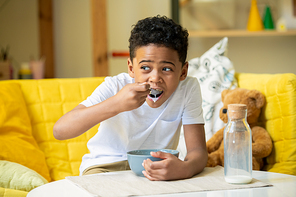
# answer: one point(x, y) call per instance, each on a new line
point(144, 108)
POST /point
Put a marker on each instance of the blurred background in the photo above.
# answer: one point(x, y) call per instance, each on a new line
point(82, 35)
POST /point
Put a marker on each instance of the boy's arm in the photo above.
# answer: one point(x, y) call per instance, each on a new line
point(197, 154)
point(81, 118)
point(172, 168)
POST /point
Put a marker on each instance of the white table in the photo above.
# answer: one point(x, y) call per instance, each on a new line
point(283, 186)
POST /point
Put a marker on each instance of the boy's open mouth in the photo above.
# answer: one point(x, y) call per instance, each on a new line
point(154, 94)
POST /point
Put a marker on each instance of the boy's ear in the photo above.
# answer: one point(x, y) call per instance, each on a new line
point(130, 68)
point(184, 71)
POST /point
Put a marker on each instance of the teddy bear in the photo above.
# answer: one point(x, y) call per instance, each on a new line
point(261, 140)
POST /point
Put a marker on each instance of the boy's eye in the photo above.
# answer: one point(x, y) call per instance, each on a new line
point(167, 69)
point(145, 67)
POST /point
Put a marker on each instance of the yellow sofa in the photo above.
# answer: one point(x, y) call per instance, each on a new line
point(30, 108)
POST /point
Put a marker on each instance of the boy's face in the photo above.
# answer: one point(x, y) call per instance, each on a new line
point(160, 67)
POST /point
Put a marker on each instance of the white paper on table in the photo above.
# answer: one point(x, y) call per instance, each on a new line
point(126, 183)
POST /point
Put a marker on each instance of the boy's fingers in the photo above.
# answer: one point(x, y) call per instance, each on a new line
point(153, 165)
point(149, 177)
point(157, 165)
point(145, 85)
point(160, 154)
point(151, 172)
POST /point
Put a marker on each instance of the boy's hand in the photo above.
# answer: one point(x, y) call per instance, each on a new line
point(170, 168)
point(133, 96)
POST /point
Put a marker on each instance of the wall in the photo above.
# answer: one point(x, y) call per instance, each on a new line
point(72, 38)
point(72, 31)
point(19, 30)
point(121, 16)
point(72, 34)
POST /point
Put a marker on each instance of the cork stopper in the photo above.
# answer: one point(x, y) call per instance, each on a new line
point(237, 111)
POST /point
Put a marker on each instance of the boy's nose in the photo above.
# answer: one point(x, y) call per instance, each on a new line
point(155, 77)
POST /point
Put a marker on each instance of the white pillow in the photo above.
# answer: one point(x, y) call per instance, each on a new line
point(215, 73)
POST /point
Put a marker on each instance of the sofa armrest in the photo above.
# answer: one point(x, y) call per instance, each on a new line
point(4, 192)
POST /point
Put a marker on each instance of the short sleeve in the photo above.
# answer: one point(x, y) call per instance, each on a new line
point(107, 89)
point(192, 113)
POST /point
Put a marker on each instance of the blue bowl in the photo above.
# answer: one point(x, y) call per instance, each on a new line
point(136, 157)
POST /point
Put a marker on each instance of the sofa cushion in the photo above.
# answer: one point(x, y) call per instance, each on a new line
point(47, 100)
point(19, 177)
point(278, 116)
point(16, 141)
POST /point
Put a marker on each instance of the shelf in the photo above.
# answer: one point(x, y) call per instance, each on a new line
point(240, 33)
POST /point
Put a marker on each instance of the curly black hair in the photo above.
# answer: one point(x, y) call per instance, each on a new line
point(162, 31)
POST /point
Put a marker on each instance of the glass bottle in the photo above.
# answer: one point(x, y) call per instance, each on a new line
point(25, 71)
point(237, 146)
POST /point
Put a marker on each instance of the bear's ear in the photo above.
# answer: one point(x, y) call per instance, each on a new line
point(223, 94)
point(259, 97)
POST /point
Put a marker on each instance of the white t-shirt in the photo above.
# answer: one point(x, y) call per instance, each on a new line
point(144, 127)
